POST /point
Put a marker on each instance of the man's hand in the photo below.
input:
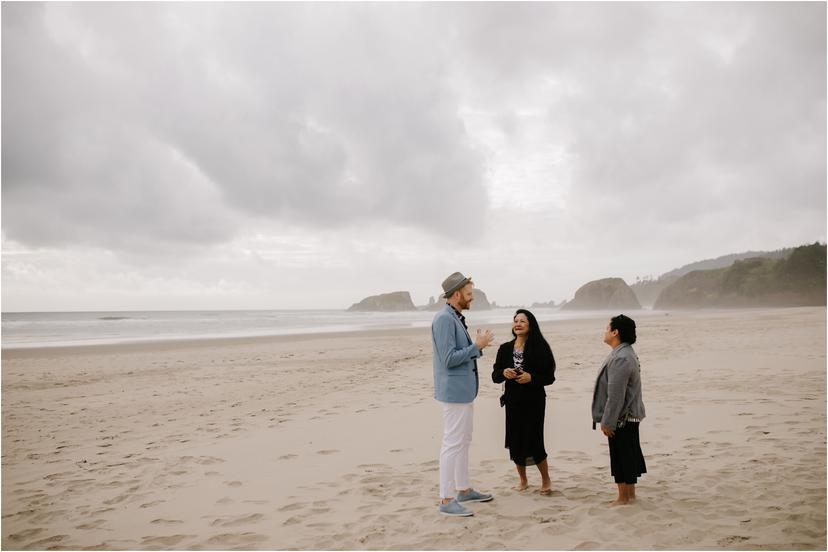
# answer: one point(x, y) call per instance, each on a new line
point(484, 339)
point(525, 377)
point(607, 431)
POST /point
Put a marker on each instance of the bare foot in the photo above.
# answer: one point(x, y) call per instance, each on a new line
point(522, 486)
point(546, 492)
point(619, 502)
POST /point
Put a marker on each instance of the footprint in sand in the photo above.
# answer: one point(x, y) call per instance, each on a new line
point(161, 521)
point(373, 479)
point(291, 507)
point(121, 497)
point(105, 510)
point(92, 525)
point(45, 544)
point(321, 525)
point(202, 460)
point(292, 520)
point(233, 483)
point(734, 539)
point(372, 467)
point(27, 534)
point(168, 541)
point(320, 510)
point(55, 476)
point(236, 540)
point(327, 451)
point(287, 456)
point(234, 521)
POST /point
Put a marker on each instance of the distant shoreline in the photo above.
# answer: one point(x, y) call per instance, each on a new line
point(25, 350)
point(172, 344)
point(154, 328)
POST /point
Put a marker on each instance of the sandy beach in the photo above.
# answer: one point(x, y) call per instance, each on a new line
point(331, 442)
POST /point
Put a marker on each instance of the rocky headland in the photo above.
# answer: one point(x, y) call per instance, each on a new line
point(648, 289)
point(797, 280)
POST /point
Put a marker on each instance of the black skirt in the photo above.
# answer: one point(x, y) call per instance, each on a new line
point(626, 459)
point(524, 428)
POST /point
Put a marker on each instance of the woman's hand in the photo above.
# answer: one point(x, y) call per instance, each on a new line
point(608, 431)
point(524, 377)
point(509, 373)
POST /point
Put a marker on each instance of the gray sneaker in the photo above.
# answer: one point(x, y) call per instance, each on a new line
point(473, 496)
point(454, 508)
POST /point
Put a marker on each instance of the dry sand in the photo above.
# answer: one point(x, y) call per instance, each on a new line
point(330, 442)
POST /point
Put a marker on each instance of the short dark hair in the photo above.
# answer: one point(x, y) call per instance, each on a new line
point(625, 326)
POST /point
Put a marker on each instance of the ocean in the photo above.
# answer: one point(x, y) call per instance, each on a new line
point(52, 329)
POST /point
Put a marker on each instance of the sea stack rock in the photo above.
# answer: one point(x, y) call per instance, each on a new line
point(385, 302)
point(480, 302)
point(606, 294)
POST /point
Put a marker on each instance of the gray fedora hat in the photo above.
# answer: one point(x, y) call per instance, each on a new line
point(453, 283)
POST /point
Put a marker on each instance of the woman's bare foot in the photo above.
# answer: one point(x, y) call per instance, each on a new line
point(522, 486)
point(626, 493)
point(546, 488)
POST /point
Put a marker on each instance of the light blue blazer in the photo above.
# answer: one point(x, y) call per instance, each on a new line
point(455, 369)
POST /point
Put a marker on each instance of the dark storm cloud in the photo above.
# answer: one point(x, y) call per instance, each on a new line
point(126, 124)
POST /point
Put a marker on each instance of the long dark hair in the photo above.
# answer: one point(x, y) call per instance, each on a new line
point(535, 342)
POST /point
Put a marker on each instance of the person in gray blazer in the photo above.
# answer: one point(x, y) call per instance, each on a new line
point(455, 386)
point(618, 406)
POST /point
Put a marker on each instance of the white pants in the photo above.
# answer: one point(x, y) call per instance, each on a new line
point(458, 420)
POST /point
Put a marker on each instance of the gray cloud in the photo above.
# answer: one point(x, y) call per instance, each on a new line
point(670, 111)
point(514, 131)
point(321, 116)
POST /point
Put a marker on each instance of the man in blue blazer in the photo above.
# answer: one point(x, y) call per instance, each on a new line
point(455, 386)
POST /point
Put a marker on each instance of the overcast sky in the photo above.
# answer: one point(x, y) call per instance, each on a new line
point(257, 155)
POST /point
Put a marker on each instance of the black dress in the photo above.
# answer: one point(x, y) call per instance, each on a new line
point(525, 403)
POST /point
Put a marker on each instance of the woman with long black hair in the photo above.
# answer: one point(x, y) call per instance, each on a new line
point(526, 365)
